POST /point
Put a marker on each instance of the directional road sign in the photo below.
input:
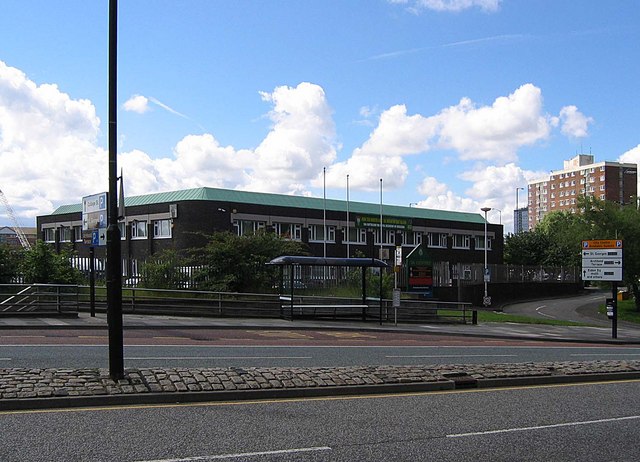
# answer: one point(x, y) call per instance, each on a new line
point(94, 211)
point(602, 260)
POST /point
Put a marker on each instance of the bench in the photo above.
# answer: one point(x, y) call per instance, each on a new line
point(329, 309)
point(295, 306)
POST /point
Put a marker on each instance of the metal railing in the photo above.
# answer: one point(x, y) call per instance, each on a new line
point(38, 299)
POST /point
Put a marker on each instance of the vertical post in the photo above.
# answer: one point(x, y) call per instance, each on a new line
point(114, 262)
point(614, 320)
point(348, 253)
point(92, 281)
point(485, 301)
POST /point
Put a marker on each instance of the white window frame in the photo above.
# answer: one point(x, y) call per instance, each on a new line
point(162, 229)
point(461, 241)
point(122, 226)
point(439, 242)
point(480, 242)
point(77, 233)
point(65, 234)
point(49, 234)
point(139, 229)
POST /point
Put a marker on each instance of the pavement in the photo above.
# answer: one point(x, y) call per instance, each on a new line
point(25, 388)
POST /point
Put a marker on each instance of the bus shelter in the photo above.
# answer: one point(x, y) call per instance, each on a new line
point(290, 263)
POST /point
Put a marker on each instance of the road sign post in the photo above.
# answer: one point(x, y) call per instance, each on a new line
point(602, 261)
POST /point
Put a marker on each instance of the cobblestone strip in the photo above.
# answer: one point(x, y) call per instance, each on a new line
point(21, 383)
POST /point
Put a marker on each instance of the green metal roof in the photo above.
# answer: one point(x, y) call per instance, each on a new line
point(284, 200)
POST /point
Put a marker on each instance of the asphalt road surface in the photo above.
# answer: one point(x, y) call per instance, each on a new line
point(369, 350)
point(588, 422)
point(582, 308)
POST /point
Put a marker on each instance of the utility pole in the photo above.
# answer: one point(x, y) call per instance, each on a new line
point(114, 262)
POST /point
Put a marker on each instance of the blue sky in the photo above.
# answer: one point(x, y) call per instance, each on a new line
point(453, 103)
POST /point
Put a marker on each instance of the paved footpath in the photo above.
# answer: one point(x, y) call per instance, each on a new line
point(23, 388)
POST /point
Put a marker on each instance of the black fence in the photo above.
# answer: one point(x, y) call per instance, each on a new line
point(39, 299)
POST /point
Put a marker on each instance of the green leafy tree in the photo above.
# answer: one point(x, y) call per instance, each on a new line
point(528, 248)
point(42, 265)
point(609, 220)
point(231, 263)
point(9, 263)
point(564, 232)
point(164, 270)
point(554, 242)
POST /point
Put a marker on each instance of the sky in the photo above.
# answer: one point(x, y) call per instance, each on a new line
point(453, 104)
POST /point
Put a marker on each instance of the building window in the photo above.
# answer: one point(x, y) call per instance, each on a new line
point(480, 243)
point(602, 197)
point(77, 233)
point(49, 235)
point(461, 241)
point(247, 227)
point(122, 226)
point(139, 229)
point(331, 233)
point(362, 236)
point(438, 240)
point(161, 229)
point(65, 234)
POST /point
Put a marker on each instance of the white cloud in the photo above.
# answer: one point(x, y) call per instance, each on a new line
point(48, 149)
point(137, 103)
point(301, 141)
point(489, 133)
point(495, 132)
point(449, 5)
point(632, 156)
point(49, 153)
point(491, 186)
point(574, 123)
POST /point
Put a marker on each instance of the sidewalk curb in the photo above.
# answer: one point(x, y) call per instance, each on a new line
point(235, 396)
point(220, 396)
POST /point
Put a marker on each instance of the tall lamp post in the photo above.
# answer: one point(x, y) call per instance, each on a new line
point(486, 301)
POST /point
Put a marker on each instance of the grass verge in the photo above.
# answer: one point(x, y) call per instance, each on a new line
point(626, 311)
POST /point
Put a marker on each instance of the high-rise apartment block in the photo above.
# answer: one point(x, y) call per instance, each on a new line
point(612, 181)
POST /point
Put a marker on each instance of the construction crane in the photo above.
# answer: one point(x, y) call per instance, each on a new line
point(16, 226)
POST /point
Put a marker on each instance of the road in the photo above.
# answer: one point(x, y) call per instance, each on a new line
point(594, 422)
point(582, 308)
point(273, 348)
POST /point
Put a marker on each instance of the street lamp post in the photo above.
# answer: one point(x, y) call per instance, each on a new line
point(486, 300)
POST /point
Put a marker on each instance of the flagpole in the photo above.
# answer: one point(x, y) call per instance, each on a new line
point(348, 253)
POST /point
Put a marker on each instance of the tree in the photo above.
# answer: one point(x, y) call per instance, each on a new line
point(42, 265)
point(528, 248)
point(564, 232)
point(231, 263)
point(9, 263)
point(554, 242)
point(609, 220)
point(164, 270)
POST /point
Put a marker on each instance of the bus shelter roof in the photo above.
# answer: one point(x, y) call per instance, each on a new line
point(327, 261)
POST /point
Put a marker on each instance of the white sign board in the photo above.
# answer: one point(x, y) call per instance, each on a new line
point(601, 274)
point(602, 260)
point(94, 211)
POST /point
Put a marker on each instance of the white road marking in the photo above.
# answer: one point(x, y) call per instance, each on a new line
point(244, 454)
point(162, 358)
point(5, 359)
point(605, 354)
point(543, 427)
point(452, 356)
point(544, 314)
